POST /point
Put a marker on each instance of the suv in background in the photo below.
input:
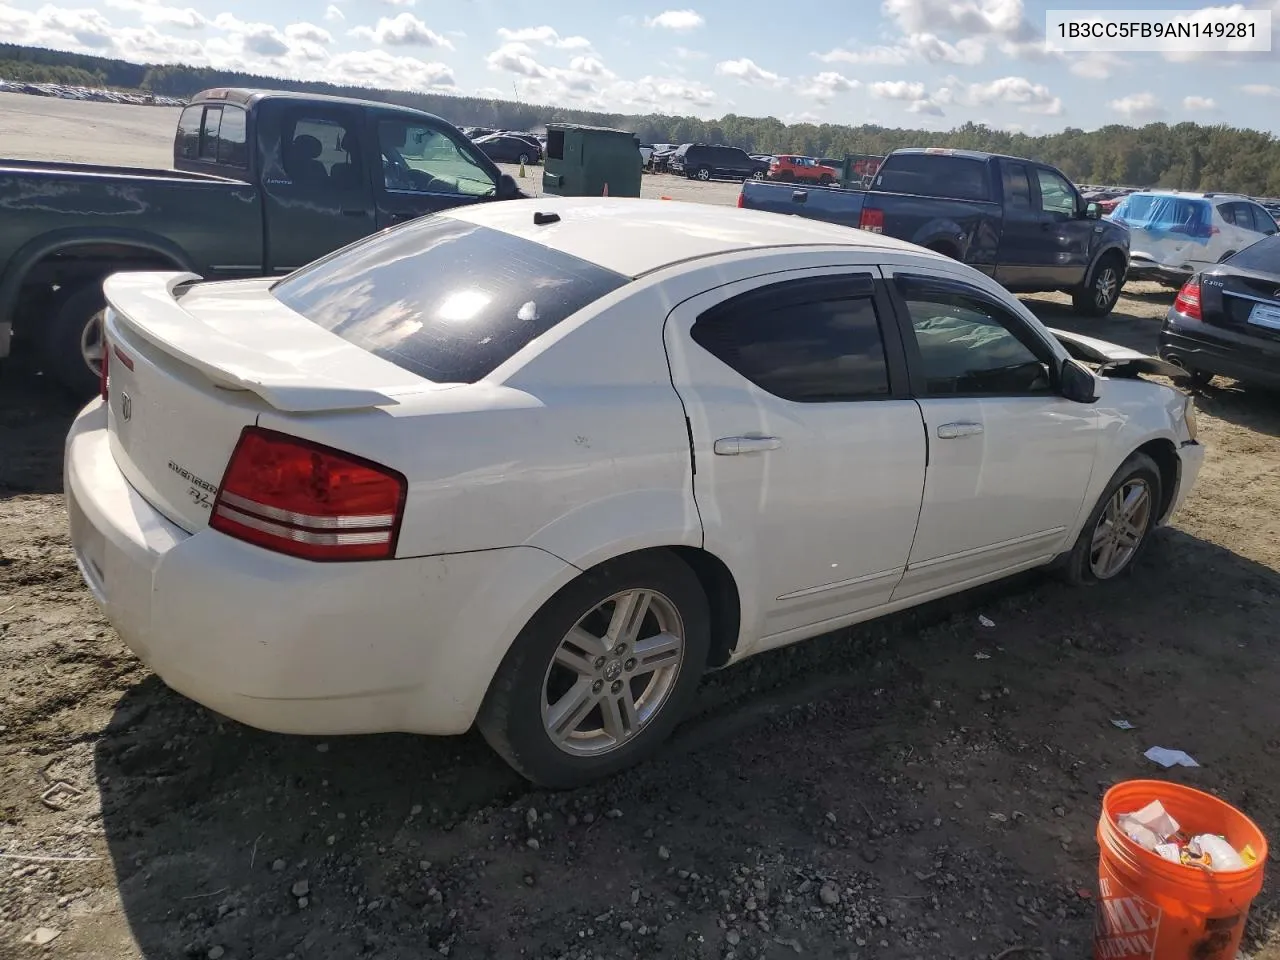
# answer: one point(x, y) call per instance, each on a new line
point(701, 161)
point(1175, 234)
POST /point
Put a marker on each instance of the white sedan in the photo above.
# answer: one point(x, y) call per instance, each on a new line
point(538, 465)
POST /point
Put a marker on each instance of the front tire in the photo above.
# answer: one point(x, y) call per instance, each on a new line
point(1119, 527)
point(601, 675)
point(757, 174)
point(703, 174)
point(1099, 296)
point(73, 345)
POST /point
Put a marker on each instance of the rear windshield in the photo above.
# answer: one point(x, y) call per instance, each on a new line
point(1153, 210)
point(443, 298)
point(1263, 256)
point(934, 175)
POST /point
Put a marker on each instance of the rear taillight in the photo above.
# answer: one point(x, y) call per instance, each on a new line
point(871, 219)
point(292, 496)
point(1187, 302)
point(742, 200)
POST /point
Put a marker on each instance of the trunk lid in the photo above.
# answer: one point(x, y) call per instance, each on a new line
point(1245, 301)
point(191, 366)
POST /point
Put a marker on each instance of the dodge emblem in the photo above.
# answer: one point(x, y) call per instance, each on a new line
point(126, 407)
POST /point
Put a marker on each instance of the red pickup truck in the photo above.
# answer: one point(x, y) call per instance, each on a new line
point(790, 168)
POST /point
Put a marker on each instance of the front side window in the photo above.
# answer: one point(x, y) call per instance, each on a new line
point(442, 298)
point(1056, 195)
point(814, 351)
point(420, 158)
point(968, 345)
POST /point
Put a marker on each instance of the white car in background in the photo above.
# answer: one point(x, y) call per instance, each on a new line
point(400, 490)
point(1173, 234)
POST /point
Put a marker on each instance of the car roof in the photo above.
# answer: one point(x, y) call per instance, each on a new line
point(634, 237)
point(247, 97)
point(1188, 194)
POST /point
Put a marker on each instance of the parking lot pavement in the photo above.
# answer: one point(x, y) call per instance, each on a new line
point(881, 792)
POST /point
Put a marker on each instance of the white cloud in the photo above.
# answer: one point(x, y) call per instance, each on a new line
point(878, 56)
point(333, 14)
point(1199, 103)
point(89, 28)
point(676, 20)
point(377, 68)
point(684, 53)
point(824, 86)
point(1029, 97)
point(1003, 18)
point(747, 71)
point(517, 58)
point(309, 32)
point(1098, 66)
point(153, 12)
point(545, 36)
point(663, 93)
point(399, 3)
point(920, 47)
point(403, 30)
point(1138, 107)
point(897, 90)
point(925, 107)
point(1261, 90)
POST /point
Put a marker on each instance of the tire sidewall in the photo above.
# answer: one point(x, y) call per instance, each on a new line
point(62, 356)
point(1084, 300)
point(511, 717)
point(703, 174)
point(1138, 465)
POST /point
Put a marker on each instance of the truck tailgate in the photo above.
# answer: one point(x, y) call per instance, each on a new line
point(830, 204)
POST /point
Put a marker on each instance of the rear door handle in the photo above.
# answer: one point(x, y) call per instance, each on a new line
point(736, 446)
point(961, 428)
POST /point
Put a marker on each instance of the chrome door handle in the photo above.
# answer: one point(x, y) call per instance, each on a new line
point(734, 446)
point(961, 428)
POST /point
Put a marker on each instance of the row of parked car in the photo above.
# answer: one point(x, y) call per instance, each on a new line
point(96, 94)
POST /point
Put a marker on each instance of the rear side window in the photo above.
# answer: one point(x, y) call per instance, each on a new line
point(820, 351)
point(934, 175)
point(444, 299)
point(209, 134)
point(187, 143)
point(1017, 188)
point(1263, 255)
point(232, 147)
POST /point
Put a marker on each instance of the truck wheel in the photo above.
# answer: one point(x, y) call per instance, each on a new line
point(945, 249)
point(1099, 295)
point(73, 343)
point(523, 159)
point(703, 174)
point(757, 174)
point(600, 676)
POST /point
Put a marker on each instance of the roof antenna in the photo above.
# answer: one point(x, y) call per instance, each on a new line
point(541, 219)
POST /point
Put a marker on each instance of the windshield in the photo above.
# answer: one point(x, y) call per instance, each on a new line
point(442, 298)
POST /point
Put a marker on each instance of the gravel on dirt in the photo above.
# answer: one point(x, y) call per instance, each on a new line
point(834, 799)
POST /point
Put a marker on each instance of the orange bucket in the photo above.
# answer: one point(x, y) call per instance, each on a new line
point(1152, 909)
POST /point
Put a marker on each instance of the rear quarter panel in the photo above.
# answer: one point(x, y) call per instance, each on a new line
point(970, 227)
point(829, 204)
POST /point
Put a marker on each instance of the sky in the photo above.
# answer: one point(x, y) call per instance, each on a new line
point(901, 63)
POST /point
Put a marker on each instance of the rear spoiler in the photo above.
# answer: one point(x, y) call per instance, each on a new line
point(1115, 360)
point(147, 304)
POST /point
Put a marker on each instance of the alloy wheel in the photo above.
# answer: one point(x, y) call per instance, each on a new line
point(1120, 529)
point(1104, 288)
point(92, 346)
point(612, 672)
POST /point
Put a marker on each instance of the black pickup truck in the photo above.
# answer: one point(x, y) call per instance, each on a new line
point(263, 182)
point(1021, 222)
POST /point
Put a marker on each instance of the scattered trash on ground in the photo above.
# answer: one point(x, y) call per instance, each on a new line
point(1122, 725)
point(1170, 758)
point(1152, 828)
point(986, 621)
point(982, 656)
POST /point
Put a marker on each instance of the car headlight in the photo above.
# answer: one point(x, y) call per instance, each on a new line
point(1189, 417)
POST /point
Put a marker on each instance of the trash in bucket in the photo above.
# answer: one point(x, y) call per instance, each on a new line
point(1177, 871)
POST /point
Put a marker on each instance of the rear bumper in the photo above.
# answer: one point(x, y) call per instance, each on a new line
point(1245, 359)
point(287, 645)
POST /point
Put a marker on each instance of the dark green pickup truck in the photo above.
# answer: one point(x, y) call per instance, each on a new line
point(263, 182)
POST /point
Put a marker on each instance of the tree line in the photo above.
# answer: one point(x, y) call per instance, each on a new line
point(1184, 156)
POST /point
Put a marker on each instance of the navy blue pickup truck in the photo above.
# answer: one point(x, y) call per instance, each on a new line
point(1021, 222)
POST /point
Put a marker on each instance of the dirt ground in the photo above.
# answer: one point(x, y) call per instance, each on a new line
point(881, 792)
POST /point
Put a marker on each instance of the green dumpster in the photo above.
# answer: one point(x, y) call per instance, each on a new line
point(584, 161)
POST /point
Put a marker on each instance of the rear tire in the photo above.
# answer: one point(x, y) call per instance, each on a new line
point(945, 249)
point(523, 159)
point(1086, 565)
point(530, 715)
point(757, 174)
point(72, 344)
point(1102, 290)
point(703, 174)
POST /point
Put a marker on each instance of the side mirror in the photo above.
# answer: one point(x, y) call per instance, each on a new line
point(1092, 212)
point(1077, 383)
point(508, 189)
